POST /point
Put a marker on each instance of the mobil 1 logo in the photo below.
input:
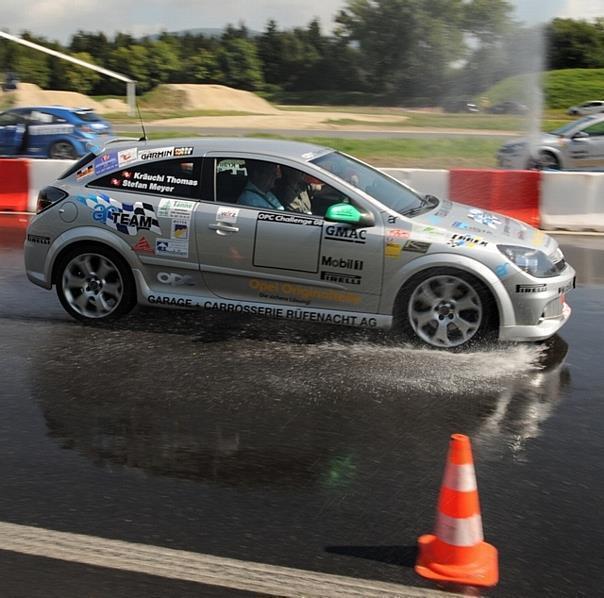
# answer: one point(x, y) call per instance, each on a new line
point(346, 234)
point(340, 262)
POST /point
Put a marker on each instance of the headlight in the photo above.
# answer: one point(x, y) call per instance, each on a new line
point(533, 261)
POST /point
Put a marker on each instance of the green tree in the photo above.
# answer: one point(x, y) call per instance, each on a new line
point(71, 77)
point(200, 68)
point(575, 44)
point(133, 62)
point(162, 61)
point(238, 64)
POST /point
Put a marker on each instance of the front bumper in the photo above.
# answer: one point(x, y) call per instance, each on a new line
point(548, 310)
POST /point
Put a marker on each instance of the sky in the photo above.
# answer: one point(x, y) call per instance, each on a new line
point(59, 19)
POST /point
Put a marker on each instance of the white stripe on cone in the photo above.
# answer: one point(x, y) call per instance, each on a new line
point(459, 531)
point(460, 477)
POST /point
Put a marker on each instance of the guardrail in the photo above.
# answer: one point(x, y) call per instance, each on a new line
point(551, 200)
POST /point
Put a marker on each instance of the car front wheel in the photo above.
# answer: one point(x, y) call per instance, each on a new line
point(95, 284)
point(446, 309)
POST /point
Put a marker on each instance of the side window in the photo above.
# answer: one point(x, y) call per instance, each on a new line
point(268, 185)
point(8, 118)
point(596, 130)
point(179, 178)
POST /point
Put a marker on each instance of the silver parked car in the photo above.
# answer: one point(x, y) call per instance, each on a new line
point(593, 107)
point(578, 145)
point(288, 230)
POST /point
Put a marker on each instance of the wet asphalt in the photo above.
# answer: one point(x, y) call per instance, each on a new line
point(310, 447)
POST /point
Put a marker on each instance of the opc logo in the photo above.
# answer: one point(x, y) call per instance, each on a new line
point(174, 279)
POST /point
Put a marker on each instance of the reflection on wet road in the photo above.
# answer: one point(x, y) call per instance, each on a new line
point(309, 447)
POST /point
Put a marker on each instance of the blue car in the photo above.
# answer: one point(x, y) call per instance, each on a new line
point(51, 132)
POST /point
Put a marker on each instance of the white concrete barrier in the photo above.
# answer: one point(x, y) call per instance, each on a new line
point(41, 174)
point(572, 201)
point(429, 182)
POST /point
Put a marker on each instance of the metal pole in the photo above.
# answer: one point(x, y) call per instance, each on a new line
point(131, 93)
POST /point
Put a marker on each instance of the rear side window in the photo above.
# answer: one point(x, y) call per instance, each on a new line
point(88, 116)
point(179, 178)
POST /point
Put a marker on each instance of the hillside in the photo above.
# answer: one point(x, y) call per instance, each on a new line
point(561, 89)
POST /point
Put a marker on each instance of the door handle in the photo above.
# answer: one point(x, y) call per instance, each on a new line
point(222, 227)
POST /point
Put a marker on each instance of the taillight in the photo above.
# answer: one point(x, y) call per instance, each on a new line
point(48, 197)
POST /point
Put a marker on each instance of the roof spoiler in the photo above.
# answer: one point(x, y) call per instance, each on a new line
point(97, 150)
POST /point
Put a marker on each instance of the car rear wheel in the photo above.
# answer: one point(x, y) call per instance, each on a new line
point(62, 150)
point(446, 309)
point(95, 284)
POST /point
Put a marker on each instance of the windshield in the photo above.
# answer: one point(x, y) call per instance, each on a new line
point(386, 190)
point(564, 130)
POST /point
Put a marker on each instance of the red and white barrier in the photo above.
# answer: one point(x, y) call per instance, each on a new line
point(551, 200)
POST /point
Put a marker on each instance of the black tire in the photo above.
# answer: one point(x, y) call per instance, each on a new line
point(411, 304)
point(94, 284)
point(62, 150)
point(547, 160)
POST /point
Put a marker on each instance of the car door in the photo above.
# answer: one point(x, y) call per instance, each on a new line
point(267, 255)
point(12, 130)
point(586, 148)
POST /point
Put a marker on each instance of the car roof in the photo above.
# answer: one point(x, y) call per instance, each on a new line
point(278, 148)
point(51, 108)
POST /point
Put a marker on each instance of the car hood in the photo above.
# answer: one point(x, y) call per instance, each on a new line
point(452, 218)
point(544, 139)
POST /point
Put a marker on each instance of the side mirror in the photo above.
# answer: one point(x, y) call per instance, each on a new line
point(348, 214)
point(580, 135)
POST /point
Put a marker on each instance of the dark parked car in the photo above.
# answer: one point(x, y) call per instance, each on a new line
point(457, 105)
point(508, 107)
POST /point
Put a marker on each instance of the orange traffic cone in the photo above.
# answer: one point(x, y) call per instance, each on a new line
point(457, 552)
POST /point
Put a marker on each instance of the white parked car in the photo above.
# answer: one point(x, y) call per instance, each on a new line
point(594, 107)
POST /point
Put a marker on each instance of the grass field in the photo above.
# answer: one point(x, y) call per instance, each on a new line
point(466, 152)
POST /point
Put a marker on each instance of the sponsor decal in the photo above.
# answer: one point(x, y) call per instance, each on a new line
point(40, 240)
point(142, 246)
point(125, 218)
point(340, 262)
point(175, 280)
point(341, 277)
point(171, 247)
point(125, 157)
point(175, 208)
point(469, 241)
point(566, 288)
point(294, 293)
point(289, 219)
point(348, 235)
point(502, 270)
point(392, 250)
point(416, 246)
point(84, 172)
point(227, 214)
point(538, 237)
point(155, 153)
point(429, 234)
point(344, 319)
point(178, 301)
point(180, 152)
point(484, 218)
point(444, 208)
point(105, 163)
point(394, 234)
point(51, 129)
point(391, 219)
point(180, 230)
point(531, 288)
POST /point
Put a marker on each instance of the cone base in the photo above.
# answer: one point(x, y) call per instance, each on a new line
point(484, 573)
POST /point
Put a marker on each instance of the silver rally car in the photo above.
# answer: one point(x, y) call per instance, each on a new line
point(288, 230)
